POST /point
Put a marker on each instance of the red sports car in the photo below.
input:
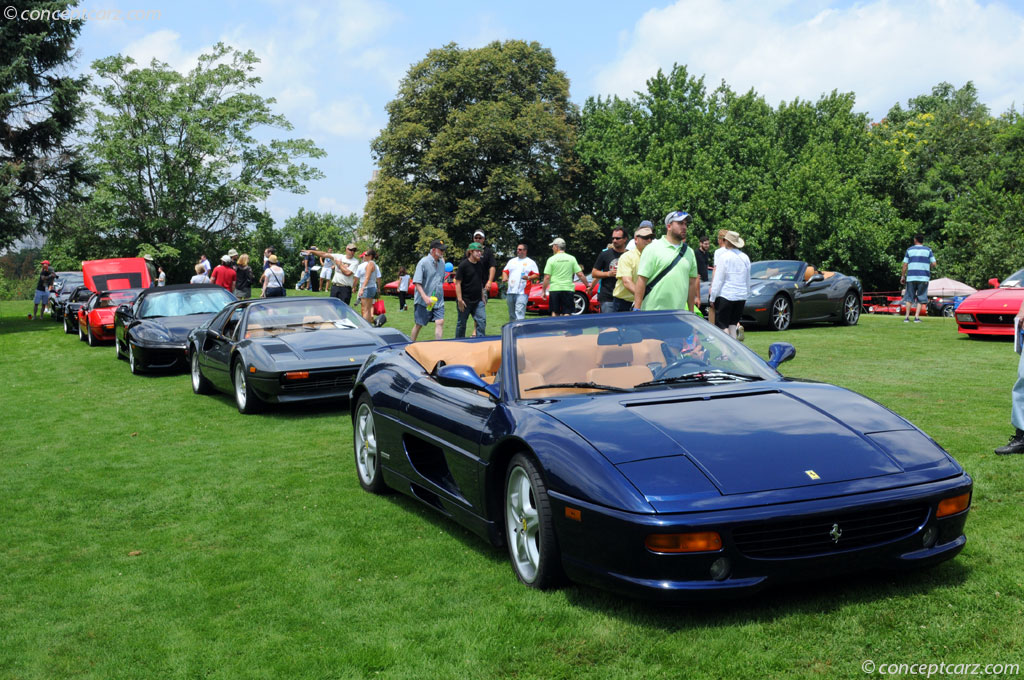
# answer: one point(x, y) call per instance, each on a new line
point(536, 303)
point(991, 311)
point(449, 288)
point(96, 317)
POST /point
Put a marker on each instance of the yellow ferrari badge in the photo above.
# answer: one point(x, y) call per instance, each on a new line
point(812, 474)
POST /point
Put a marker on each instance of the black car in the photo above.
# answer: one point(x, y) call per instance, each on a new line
point(784, 292)
point(78, 296)
point(283, 350)
point(153, 330)
point(63, 285)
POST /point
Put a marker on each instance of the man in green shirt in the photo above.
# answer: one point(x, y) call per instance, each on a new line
point(558, 273)
point(679, 287)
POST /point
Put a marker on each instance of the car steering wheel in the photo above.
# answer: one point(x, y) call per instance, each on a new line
point(681, 361)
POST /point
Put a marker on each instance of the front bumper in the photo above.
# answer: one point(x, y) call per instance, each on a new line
point(606, 547)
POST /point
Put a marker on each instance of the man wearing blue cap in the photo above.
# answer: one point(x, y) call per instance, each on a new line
point(667, 273)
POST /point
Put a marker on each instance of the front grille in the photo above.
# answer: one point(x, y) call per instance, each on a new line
point(323, 381)
point(996, 319)
point(815, 535)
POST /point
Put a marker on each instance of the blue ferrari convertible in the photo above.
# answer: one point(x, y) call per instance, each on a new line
point(650, 453)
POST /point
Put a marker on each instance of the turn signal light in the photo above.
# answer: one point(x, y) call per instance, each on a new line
point(951, 506)
point(701, 541)
point(296, 375)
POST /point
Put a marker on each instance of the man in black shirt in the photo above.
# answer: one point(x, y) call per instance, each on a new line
point(469, 288)
point(43, 287)
point(488, 265)
point(605, 269)
point(701, 254)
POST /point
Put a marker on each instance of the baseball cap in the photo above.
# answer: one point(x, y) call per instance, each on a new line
point(474, 246)
point(226, 259)
point(439, 244)
point(646, 223)
point(351, 246)
point(678, 216)
point(644, 231)
point(45, 262)
point(560, 242)
point(478, 233)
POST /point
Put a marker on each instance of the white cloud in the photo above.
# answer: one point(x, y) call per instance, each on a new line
point(884, 51)
point(165, 46)
point(349, 117)
point(327, 204)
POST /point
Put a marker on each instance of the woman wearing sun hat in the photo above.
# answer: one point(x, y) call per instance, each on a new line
point(730, 287)
point(273, 279)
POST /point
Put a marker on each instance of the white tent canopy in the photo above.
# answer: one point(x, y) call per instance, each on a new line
point(948, 287)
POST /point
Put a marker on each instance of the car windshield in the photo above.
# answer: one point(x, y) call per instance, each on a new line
point(185, 302)
point(1014, 280)
point(628, 352)
point(301, 314)
point(115, 298)
point(775, 270)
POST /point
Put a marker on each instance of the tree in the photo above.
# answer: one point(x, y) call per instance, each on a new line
point(177, 156)
point(476, 139)
point(326, 231)
point(39, 109)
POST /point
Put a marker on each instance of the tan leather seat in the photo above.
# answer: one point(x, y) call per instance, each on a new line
point(622, 376)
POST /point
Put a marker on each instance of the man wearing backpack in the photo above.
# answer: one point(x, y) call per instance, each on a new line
point(667, 276)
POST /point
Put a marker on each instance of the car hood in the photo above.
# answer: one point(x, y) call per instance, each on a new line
point(176, 327)
point(320, 343)
point(743, 440)
point(995, 299)
point(115, 274)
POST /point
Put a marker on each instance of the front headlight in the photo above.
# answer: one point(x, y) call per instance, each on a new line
point(966, 318)
point(757, 289)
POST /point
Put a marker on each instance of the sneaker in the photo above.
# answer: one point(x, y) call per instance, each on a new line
point(1015, 445)
point(917, 321)
point(906, 321)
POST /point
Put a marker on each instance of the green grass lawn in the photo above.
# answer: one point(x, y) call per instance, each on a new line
point(146, 532)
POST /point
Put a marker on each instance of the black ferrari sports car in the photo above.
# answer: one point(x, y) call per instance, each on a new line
point(784, 292)
point(63, 285)
point(78, 296)
point(653, 454)
point(153, 330)
point(283, 350)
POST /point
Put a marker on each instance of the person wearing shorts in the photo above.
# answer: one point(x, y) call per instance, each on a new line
point(917, 271)
point(368, 276)
point(731, 285)
point(43, 287)
point(429, 282)
point(559, 271)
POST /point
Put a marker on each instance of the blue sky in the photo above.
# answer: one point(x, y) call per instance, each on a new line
point(333, 66)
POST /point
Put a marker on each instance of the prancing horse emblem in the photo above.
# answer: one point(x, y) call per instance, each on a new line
point(835, 533)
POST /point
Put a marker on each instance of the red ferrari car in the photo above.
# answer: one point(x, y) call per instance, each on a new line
point(115, 281)
point(96, 317)
point(536, 303)
point(991, 311)
point(449, 288)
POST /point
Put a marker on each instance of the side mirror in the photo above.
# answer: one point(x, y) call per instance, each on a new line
point(124, 310)
point(780, 352)
point(460, 375)
point(994, 282)
point(815, 278)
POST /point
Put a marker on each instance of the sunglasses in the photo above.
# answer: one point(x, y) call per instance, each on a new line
point(618, 238)
point(351, 250)
point(644, 238)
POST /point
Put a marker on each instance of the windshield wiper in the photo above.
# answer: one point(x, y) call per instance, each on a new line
point(591, 385)
point(701, 376)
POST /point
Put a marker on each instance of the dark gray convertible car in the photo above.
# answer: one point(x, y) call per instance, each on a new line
point(282, 350)
point(785, 292)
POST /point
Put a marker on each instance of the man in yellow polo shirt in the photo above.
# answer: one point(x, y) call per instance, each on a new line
point(664, 279)
point(558, 273)
point(625, 274)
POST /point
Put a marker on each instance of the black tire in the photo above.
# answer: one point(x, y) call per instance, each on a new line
point(200, 385)
point(67, 326)
point(580, 303)
point(849, 313)
point(780, 314)
point(81, 333)
point(133, 364)
point(529, 528)
point(117, 347)
point(245, 399)
point(366, 448)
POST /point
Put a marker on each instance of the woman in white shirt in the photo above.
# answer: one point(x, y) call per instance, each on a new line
point(273, 279)
point(200, 276)
point(368, 275)
point(730, 287)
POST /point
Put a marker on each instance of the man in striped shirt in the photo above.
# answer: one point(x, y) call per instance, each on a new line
point(917, 270)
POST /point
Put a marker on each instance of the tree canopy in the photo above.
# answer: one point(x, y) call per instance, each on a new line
point(177, 156)
point(476, 139)
point(40, 106)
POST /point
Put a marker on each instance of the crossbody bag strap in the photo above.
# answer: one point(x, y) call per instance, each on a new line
point(653, 282)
